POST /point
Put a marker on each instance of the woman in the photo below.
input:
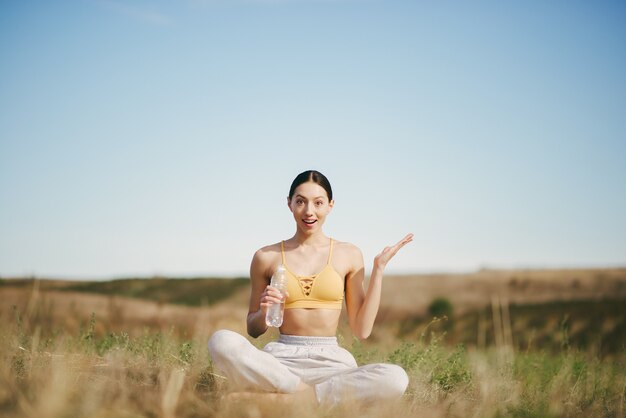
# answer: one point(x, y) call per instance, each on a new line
point(320, 271)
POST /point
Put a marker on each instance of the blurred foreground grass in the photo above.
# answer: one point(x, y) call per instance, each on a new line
point(96, 372)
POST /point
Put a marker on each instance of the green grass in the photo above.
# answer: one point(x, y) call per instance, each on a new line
point(48, 372)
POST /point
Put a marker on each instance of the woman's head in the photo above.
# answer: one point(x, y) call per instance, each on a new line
point(314, 177)
point(310, 200)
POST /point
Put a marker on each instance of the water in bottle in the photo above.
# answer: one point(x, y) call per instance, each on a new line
point(274, 315)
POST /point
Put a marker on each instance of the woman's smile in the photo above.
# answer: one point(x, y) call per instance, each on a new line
point(309, 223)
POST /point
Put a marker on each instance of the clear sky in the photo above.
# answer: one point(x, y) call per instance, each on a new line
point(161, 137)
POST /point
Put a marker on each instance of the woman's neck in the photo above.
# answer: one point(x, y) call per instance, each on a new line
point(310, 239)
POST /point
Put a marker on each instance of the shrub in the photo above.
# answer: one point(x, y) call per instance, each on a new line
point(452, 372)
point(440, 307)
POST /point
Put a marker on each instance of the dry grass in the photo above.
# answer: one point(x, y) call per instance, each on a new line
point(75, 354)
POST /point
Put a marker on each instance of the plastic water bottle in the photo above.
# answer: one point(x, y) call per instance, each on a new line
point(274, 315)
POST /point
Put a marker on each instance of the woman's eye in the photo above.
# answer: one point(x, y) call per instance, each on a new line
point(318, 203)
point(299, 202)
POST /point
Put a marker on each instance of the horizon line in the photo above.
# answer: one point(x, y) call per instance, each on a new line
point(239, 275)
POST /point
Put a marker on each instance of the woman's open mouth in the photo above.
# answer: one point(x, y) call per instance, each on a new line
point(309, 222)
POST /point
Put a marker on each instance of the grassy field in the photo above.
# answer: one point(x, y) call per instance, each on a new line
point(114, 350)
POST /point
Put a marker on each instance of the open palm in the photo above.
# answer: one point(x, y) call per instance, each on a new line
point(387, 254)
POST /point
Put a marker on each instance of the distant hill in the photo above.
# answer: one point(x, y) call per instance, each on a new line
point(527, 309)
point(595, 325)
point(182, 291)
point(412, 294)
point(402, 296)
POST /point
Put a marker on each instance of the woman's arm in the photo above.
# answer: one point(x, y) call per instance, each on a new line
point(259, 283)
point(261, 294)
point(363, 306)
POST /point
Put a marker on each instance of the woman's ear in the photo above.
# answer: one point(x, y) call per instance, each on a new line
point(289, 203)
point(331, 204)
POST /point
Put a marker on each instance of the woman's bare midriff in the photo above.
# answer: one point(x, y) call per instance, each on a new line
point(312, 322)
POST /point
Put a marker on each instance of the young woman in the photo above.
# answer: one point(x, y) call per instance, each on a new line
point(322, 274)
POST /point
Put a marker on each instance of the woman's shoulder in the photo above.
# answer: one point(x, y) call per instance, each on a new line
point(266, 259)
point(346, 248)
point(347, 258)
point(268, 251)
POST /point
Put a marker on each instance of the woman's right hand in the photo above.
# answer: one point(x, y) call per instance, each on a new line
point(270, 296)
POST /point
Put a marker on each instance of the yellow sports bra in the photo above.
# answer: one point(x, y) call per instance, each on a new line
point(323, 290)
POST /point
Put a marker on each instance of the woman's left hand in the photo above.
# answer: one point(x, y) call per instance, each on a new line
point(381, 260)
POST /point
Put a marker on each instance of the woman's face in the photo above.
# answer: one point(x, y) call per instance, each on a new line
point(310, 206)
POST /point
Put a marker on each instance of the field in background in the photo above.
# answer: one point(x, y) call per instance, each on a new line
point(504, 343)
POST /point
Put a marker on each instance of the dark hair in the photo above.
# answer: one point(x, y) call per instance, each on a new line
point(314, 176)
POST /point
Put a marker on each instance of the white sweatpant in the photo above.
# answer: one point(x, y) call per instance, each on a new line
point(316, 361)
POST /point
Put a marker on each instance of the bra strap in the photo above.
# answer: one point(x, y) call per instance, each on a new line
point(330, 254)
point(282, 251)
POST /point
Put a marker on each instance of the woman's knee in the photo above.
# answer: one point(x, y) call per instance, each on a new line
point(395, 380)
point(225, 342)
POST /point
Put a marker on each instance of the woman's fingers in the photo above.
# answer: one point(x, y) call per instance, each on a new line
point(388, 253)
point(408, 238)
point(271, 295)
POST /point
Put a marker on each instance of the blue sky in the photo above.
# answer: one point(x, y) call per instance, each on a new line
point(142, 138)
